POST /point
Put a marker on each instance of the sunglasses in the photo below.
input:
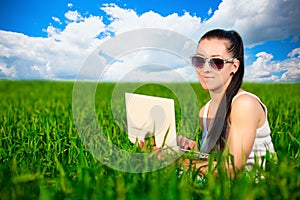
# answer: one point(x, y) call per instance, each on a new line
point(216, 63)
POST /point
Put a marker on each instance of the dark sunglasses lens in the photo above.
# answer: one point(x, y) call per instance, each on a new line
point(217, 63)
point(198, 61)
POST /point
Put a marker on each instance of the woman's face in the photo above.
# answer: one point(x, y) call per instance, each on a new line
point(213, 79)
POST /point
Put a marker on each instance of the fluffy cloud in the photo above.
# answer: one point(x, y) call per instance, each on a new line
point(258, 21)
point(62, 53)
point(209, 12)
point(7, 71)
point(56, 20)
point(150, 65)
point(70, 5)
point(295, 53)
point(123, 20)
point(267, 69)
point(73, 16)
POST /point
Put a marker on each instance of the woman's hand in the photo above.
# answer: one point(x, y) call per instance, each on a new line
point(186, 143)
point(149, 143)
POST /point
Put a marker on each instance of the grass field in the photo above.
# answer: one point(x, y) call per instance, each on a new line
point(42, 155)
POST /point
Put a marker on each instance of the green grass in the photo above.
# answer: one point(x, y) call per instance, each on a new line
point(42, 156)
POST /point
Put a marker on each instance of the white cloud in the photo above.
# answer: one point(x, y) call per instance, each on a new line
point(79, 34)
point(56, 20)
point(123, 20)
point(23, 56)
point(7, 72)
point(73, 16)
point(267, 69)
point(35, 68)
point(62, 53)
point(42, 72)
point(209, 12)
point(150, 65)
point(295, 53)
point(258, 21)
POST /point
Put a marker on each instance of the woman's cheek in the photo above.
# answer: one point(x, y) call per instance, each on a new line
point(203, 83)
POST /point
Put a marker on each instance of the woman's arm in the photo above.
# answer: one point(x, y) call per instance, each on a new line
point(246, 116)
point(189, 144)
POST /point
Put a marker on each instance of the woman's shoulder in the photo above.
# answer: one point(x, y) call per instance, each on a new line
point(245, 101)
point(203, 108)
point(201, 112)
point(244, 96)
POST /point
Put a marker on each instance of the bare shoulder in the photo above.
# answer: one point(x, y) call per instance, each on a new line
point(246, 104)
point(201, 111)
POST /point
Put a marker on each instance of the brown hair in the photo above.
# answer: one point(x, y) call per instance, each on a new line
point(218, 135)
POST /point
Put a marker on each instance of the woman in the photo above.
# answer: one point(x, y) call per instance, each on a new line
point(233, 118)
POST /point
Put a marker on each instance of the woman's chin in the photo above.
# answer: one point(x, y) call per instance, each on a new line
point(204, 85)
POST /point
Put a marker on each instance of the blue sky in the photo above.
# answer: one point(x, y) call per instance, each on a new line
point(33, 16)
point(51, 39)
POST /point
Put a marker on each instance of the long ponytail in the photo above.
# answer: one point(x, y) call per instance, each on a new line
point(218, 134)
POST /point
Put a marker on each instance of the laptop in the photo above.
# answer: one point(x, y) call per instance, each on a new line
point(151, 114)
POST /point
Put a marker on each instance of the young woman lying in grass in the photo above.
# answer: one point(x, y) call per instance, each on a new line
point(233, 118)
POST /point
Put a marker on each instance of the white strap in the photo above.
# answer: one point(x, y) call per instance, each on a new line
point(205, 115)
point(205, 131)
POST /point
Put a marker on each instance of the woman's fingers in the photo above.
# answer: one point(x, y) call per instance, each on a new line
point(186, 143)
point(179, 137)
point(189, 144)
point(182, 141)
point(192, 145)
point(149, 144)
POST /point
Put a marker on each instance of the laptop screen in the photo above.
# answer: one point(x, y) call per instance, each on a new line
point(149, 114)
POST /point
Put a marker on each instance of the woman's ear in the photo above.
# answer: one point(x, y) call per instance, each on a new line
point(235, 66)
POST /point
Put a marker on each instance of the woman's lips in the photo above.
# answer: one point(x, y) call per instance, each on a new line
point(207, 77)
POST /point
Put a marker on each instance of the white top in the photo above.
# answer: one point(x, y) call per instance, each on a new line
point(262, 141)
